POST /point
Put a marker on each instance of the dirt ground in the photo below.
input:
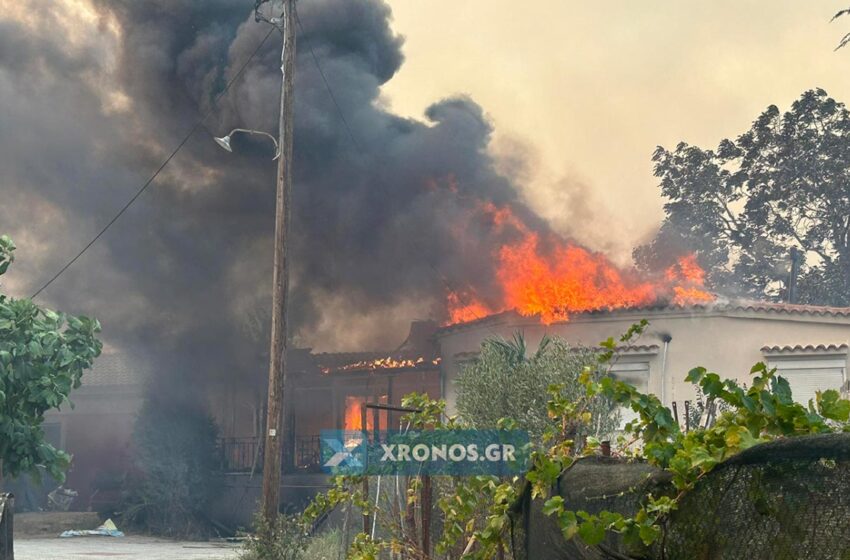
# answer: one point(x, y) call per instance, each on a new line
point(126, 548)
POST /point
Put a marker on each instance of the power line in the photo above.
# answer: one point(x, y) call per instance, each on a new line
point(198, 124)
point(328, 87)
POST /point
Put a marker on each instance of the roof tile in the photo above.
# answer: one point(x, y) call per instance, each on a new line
point(719, 306)
point(806, 348)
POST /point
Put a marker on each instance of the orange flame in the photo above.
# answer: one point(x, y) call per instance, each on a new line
point(565, 278)
point(569, 279)
point(688, 280)
point(464, 307)
point(353, 418)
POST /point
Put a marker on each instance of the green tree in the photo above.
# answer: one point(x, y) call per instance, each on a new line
point(506, 382)
point(42, 357)
point(741, 208)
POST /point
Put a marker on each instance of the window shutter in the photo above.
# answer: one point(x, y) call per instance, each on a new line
point(808, 375)
point(635, 374)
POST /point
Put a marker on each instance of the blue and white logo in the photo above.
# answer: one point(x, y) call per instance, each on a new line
point(342, 449)
point(428, 452)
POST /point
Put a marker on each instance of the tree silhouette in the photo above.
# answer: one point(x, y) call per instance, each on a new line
point(742, 207)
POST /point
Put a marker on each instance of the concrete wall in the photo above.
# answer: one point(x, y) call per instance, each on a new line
point(97, 432)
point(237, 495)
point(728, 342)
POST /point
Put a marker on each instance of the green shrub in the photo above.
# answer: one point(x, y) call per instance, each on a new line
point(505, 381)
point(284, 540)
point(324, 546)
point(176, 457)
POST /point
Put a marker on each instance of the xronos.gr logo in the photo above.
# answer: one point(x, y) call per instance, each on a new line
point(438, 452)
point(345, 452)
point(457, 452)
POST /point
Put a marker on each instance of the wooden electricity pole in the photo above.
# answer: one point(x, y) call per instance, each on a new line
point(793, 274)
point(277, 358)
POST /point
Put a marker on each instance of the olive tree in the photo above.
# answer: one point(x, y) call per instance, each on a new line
point(42, 357)
point(505, 381)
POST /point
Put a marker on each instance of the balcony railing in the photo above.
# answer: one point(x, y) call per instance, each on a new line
point(308, 453)
point(245, 454)
point(240, 454)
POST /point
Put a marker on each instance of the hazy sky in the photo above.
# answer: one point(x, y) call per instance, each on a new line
point(591, 88)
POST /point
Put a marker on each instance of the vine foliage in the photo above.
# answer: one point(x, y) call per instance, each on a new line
point(762, 412)
point(477, 511)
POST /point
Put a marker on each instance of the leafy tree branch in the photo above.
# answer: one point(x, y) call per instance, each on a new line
point(43, 355)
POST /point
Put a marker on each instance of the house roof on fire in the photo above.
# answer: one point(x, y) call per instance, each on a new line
point(418, 351)
point(720, 307)
point(373, 361)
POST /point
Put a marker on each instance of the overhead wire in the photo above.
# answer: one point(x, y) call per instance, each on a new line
point(198, 124)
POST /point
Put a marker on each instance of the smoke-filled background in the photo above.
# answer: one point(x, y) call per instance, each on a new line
point(94, 97)
point(94, 94)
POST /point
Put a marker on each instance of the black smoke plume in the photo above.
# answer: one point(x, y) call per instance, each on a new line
point(382, 223)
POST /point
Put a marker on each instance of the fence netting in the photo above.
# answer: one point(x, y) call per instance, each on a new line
point(788, 499)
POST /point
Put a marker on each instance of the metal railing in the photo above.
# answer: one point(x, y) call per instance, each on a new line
point(241, 454)
point(245, 454)
point(308, 453)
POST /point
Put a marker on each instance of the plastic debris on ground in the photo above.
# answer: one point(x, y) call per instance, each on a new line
point(108, 529)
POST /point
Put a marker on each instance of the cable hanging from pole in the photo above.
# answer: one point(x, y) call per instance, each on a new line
point(198, 124)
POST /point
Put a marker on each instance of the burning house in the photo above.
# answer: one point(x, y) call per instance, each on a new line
point(325, 391)
point(543, 284)
point(808, 344)
point(329, 391)
point(358, 379)
point(547, 285)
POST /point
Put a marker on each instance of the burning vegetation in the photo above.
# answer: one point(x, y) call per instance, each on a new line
point(545, 275)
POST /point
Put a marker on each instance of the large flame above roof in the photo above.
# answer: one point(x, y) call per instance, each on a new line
point(548, 276)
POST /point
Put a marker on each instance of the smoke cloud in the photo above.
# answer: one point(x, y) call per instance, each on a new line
point(382, 226)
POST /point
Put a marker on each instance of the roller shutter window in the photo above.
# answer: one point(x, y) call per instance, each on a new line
point(635, 374)
point(809, 374)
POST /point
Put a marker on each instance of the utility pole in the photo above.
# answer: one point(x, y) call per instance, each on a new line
point(793, 274)
point(277, 355)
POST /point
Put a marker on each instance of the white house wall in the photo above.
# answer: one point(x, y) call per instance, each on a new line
point(727, 342)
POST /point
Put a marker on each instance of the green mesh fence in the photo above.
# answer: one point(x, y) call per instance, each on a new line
point(788, 499)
